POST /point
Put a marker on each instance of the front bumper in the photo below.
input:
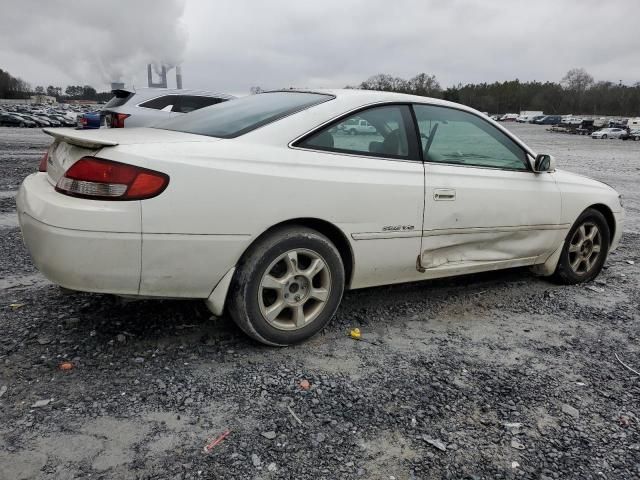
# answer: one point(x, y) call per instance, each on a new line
point(90, 246)
point(619, 218)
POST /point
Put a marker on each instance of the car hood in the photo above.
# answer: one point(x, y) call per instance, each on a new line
point(110, 137)
point(576, 181)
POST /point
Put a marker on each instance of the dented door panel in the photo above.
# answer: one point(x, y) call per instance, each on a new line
point(488, 216)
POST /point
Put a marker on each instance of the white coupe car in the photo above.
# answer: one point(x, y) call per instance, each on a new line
point(258, 208)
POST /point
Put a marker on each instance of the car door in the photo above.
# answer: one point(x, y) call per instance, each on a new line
point(484, 206)
point(377, 190)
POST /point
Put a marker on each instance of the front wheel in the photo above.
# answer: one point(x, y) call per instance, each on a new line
point(604, 137)
point(287, 286)
point(585, 249)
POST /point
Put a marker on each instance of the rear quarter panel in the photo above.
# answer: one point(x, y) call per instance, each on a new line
point(223, 195)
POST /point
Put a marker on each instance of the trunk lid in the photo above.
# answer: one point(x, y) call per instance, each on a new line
point(71, 145)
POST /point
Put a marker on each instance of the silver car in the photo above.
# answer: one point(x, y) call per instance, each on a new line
point(144, 107)
point(605, 133)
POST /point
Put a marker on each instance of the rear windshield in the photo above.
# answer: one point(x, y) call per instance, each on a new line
point(120, 98)
point(236, 117)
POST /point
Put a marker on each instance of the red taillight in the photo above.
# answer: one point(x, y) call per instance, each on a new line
point(43, 162)
point(101, 179)
point(117, 120)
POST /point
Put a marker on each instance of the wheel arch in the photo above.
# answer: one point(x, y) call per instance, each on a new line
point(329, 230)
point(609, 217)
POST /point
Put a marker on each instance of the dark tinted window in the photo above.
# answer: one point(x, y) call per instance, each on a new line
point(120, 98)
point(161, 102)
point(189, 103)
point(234, 118)
point(374, 132)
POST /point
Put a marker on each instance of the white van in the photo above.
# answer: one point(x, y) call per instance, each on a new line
point(634, 123)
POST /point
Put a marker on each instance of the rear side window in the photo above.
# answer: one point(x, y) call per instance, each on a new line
point(189, 103)
point(373, 132)
point(237, 117)
point(120, 98)
point(161, 102)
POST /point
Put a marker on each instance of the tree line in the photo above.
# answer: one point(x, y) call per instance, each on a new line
point(15, 88)
point(578, 93)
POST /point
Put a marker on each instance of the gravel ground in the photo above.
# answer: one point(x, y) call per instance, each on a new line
point(492, 376)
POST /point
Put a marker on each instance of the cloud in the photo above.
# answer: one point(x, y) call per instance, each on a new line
point(94, 41)
point(235, 44)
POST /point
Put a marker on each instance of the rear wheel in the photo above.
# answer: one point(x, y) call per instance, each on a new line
point(287, 287)
point(585, 249)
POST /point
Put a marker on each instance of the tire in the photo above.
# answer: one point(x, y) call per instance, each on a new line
point(353, 131)
point(604, 137)
point(579, 262)
point(21, 125)
point(269, 271)
point(636, 138)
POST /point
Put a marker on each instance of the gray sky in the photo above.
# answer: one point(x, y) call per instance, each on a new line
point(231, 45)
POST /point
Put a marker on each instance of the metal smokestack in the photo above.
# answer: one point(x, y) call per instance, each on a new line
point(178, 77)
point(162, 74)
point(163, 77)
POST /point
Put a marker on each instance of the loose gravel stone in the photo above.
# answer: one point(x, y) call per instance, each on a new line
point(472, 363)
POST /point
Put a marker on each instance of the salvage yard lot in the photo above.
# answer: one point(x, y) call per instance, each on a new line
point(500, 375)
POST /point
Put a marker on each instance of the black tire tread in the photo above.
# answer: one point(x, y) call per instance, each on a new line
point(246, 269)
point(563, 273)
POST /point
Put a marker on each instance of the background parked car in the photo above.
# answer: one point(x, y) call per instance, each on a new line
point(36, 121)
point(64, 120)
point(90, 120)
point(355, 126)
point(549, 120)
point(509, 117)
point(618, 123)
point(609, 133)
point(11, 120)
point(148, 106)
point(633, 135)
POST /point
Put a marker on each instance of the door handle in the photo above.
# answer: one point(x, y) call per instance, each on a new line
point(444, 194)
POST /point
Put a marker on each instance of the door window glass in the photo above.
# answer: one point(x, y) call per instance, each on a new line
point(189, 103)
point(453, 136)
point(377, 131)
point(161, 102)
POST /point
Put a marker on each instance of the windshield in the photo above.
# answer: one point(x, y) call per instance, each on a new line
point(236, 117)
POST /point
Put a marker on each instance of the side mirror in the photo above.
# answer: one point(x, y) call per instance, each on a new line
point(544, 163)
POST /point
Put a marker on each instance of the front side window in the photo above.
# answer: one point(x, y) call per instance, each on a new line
point(377, 131)
point(237, 117)
point(457, 137)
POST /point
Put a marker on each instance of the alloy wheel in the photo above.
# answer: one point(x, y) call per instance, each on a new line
point(294, 289)
point(585, 248)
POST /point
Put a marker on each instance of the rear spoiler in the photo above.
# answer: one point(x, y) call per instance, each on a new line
point(81, 138)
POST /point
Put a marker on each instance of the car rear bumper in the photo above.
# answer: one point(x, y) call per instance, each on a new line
point(98, 246)
point(84, 245)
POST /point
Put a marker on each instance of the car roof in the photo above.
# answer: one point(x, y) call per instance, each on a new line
point(158, 92)
point(374, 96)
